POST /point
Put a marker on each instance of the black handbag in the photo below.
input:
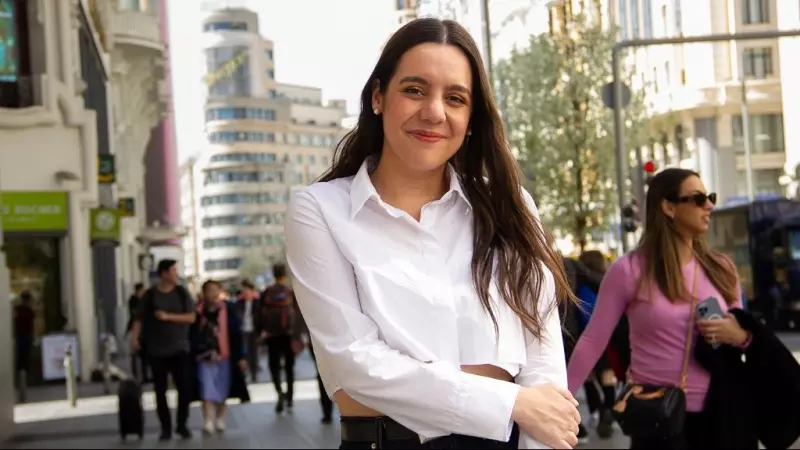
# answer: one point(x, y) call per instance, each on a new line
point(652, 411)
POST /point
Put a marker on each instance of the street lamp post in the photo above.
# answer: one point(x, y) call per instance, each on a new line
point(619, 128)
point(487, 33)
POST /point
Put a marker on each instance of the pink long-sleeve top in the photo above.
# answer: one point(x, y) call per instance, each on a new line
point(657, 329)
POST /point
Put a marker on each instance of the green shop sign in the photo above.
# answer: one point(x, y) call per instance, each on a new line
point(104, 225)
point(34, 211)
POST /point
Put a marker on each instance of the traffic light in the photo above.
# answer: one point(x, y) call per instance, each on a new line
point(629, 213)
point(649, 171)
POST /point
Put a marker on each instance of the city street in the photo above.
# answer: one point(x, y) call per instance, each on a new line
point(93, 424)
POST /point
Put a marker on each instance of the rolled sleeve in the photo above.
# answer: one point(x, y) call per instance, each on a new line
point(483, 396)
point(546, 360)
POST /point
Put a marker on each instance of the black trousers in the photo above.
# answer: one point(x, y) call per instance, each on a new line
point(23, 350)
point(453, 441)
point(324, 400)
point(178, 366)
point(140, 366)
point(279, 352)
point(251, 341)
point(695, 435)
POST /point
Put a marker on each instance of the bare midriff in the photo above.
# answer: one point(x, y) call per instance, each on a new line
point(351, 408)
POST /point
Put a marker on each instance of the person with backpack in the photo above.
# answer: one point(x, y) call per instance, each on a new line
point(161, 329)
point(276, 326)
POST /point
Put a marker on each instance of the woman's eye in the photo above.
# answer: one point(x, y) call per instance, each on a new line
point(457, 99)
point(413, 90)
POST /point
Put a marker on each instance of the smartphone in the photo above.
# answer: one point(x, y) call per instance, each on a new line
point(709, 309)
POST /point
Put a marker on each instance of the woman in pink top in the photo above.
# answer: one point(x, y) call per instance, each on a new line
point(654, 285)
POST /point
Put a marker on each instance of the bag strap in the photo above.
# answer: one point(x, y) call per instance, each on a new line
point(690, 329)
point(687, 351)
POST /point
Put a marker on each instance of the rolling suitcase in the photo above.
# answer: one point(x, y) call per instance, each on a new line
point(130, 410)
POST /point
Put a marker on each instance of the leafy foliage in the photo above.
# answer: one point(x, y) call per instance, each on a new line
point(551, 93)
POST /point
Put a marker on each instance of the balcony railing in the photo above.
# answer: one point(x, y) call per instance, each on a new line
point(136, 28)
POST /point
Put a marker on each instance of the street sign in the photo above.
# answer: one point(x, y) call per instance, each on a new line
point(608, 95)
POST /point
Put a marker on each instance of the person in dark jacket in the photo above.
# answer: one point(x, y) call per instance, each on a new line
point(578, 275)
point(24, 334)
point(754, 394)
point(139, 364)
point(219, 356)
point(247, 307)
point(602, 400)
point(302, 337)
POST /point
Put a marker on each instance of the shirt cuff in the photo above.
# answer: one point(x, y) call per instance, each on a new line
point(746, 342)
point(487, 405)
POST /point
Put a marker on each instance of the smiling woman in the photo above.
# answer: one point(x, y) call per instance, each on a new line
point(428, 284)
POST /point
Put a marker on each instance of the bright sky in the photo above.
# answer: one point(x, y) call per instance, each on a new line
point(331, 44)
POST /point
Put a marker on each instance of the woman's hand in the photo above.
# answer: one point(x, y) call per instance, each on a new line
point(548, 414)
point(722, 331)
point(243, 365)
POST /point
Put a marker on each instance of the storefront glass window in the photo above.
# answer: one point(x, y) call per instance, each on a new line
point(34, 266)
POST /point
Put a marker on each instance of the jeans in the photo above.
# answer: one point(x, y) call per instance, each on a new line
point(279, 349)
point(178, 366)
point(453, 441)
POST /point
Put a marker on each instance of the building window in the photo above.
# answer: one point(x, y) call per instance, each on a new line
point(245, 157)
point(245, 199)
point(16, 87)
point(228, 71)
point(222, 176)
point(148, 6)
point(678, 17)
point(222, 264)
point(244, 220)
point(623, 19)
point(230, 113)
point(755, 11)
point(765, 181)
point(766, 133)
point(271, 74)
point(647, 18)
point(225, 26)
point(270, 55)
point(635, 19)
point(241, 136)
point(757, 62)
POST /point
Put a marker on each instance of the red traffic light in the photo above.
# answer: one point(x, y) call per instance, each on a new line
point(650, 167)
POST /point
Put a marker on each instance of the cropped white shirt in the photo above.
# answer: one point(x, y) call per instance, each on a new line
point(393, 313)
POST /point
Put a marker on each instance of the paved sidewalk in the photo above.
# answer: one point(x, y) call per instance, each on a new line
point(93, 424)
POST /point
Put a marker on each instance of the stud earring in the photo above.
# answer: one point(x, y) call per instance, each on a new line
point(376, 111)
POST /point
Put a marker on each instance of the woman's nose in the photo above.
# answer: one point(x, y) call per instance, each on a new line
point(433, 111)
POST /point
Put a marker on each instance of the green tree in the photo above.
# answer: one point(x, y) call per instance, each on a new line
point(253, 264)
point(562, 131)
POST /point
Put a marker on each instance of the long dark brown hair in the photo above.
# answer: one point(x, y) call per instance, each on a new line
point(660, 240)
point(505, 230)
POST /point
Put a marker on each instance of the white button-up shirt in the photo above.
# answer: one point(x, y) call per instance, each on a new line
point(393, 314)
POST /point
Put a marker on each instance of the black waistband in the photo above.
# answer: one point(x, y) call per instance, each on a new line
point(374, 429)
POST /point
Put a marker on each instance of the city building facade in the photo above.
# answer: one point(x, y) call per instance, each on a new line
point(81, 88)
point(263, 138)
point(697, 90)
point(52, 129)
point(131, 34)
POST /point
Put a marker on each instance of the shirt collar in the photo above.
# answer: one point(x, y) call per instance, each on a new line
point(362, 189)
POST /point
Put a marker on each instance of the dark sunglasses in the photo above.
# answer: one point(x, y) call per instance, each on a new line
point(699, 199)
